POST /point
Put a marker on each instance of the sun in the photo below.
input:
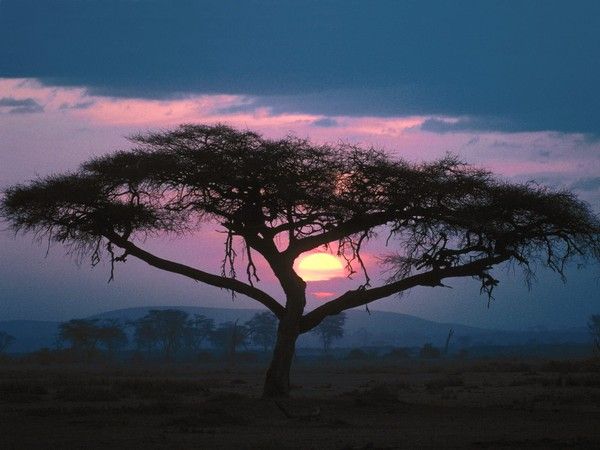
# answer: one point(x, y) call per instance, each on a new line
point(319, 267)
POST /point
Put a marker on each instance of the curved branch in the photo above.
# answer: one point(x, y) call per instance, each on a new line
point(352, 226)
point(196, 274)
point(359, 297)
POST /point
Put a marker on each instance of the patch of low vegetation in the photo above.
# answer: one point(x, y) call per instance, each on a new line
point(82, 393)
point(399, 353)
point(445, 382)
point(21, 391)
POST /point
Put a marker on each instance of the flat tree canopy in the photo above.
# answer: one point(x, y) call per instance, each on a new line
point(285, 197)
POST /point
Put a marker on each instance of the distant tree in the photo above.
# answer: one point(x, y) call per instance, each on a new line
point(331, 328)
point(594, 328)
point(145, 335)
point(163, 329)
point(282, 198)
point(229, 336)
point(447, 345)
point(428, 351)
point(197, 330)
point(112, 336)
point(6, 341)
point(399, 353)
point(83, 335)
point(263, 330)
point(357, 354)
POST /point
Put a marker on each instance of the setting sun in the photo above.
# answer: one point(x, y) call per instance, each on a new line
point(319, 266)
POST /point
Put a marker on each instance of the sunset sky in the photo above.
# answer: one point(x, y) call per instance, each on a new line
point(509, 86)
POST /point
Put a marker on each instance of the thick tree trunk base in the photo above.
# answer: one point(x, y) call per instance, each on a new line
point(277, 381)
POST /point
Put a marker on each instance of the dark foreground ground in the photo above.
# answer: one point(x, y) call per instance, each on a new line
point(474, 404)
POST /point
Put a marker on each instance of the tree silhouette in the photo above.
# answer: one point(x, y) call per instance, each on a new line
point(263, 329)
point(162, 328)
point(330, 328)
point(197, 329)
point(429, 351)
point(594, 328)
point(6, 341)
point(229, 336)
point(82, 334)
point(112, 336)
point(281, 198)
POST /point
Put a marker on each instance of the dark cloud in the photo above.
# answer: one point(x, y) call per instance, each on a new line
point(468, 124)
point(505, 144)
point(78, 105)
point(587, 184)
point(529, 65)
point(325, 122)
point(545, 153)
point(236, 109)
point(20, 106)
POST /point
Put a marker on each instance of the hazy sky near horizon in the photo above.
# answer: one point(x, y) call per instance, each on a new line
point(510, 86)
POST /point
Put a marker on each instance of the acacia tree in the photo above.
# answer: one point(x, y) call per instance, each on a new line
point(281, 198)
point(330, 328)
point(112, 336)
point(83, 334)
point(263, 329)
point(164, 328)
point(229, 336)
point(197, 329)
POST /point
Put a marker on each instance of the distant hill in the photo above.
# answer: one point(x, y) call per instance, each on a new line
point(379, 328)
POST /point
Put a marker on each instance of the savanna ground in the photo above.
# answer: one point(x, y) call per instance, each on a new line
point(339, 405)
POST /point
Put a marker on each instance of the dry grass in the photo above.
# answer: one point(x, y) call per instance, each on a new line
point(478, 404)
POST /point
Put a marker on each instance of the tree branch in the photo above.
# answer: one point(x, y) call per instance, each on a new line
point(359, 297)
point(352, 226)
point(196, 274)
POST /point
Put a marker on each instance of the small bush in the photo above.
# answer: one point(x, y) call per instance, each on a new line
point(357, 354)
point(86, 394)
point(441, 383)
point(429, 351)
point(399, 353)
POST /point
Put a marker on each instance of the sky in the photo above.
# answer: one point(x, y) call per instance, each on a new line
point(509, 86)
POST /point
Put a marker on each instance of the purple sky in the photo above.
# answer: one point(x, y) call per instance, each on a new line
point(56, 113)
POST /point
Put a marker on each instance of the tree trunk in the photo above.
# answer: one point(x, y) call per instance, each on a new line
point(277, 382)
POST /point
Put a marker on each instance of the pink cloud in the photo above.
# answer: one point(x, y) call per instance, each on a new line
point(323, 294)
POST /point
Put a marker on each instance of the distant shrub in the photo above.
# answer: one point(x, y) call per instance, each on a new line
point(463, 353)
point(246, 357)
point(399, 353)
point(357, 354)
point(429, 351)
point(204, 356)
point(46, 356)
point(83, 393)
point(441, 383)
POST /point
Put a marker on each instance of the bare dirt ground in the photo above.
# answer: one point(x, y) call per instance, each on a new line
point(343, 405)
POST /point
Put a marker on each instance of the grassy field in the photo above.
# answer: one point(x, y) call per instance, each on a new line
point(339, 405)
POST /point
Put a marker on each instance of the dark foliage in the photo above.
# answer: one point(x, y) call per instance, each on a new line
point(164, 330)
point(263, 330)
point(594, 327)
point(229, 336)
point(6, 341)
point(330, 329)
point(84, 335)
point(429, 351)
point(198, 329)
